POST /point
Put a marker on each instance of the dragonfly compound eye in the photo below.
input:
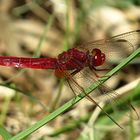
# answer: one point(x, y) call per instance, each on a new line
point(98, 58)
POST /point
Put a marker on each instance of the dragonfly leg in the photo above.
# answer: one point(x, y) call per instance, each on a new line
point(100, 69)
point(75, 72)
point(93, 69)
point(71, 87)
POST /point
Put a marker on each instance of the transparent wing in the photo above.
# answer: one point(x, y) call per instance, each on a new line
point(75, 85)
point(106, 94)
point(119, 46)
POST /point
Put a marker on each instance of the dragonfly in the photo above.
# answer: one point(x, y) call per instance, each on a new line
point(90, 57)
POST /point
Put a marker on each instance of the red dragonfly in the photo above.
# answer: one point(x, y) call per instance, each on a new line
point(91, 56)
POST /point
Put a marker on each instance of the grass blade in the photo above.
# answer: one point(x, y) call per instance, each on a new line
point(4, 133)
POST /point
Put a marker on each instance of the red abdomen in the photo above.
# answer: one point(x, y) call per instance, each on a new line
point(21, 62)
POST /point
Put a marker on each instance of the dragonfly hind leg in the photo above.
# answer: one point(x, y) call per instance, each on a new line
point(75, 72)
point(93, 69)
point(100, 69)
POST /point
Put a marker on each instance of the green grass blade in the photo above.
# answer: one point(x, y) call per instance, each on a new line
point(76, 99)
point(27, 94)
point(44, 36)
point(132, 129)
point(4, 111)
point(4, 133)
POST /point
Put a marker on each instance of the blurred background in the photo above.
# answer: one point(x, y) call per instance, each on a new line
point(45, 28)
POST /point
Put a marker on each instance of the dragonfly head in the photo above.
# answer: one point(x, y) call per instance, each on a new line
point(97, 57)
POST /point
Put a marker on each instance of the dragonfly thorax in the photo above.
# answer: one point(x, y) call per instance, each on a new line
point(97, 58)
